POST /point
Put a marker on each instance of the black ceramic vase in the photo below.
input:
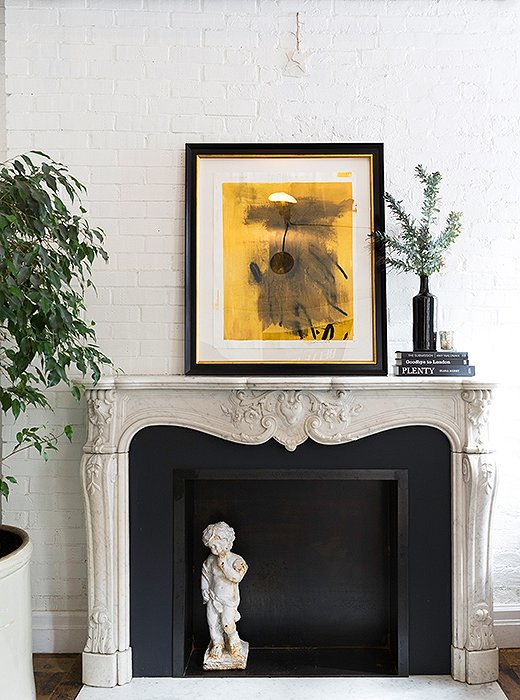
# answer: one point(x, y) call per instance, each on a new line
point(424, 331)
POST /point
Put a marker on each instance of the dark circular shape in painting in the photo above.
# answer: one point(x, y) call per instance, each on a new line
point(282, 262)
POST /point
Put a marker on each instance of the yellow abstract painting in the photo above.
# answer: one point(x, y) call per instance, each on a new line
point(287, 258)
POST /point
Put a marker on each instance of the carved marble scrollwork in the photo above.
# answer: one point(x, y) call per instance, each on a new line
point(466, 469)
point(481, 629)
point(487, 476)
point(100, 412)
point(291, 416)
point(478, 404)
point(99, 640)
point(93, 469)
point(479, 475)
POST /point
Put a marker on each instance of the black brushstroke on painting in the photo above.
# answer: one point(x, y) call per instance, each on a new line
point(309, 211)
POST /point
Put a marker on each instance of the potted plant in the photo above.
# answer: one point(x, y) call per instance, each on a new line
point(47, 249)
point(415, 248)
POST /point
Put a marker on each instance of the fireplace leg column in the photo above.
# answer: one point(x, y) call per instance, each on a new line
point(107, 658)
point(474, 653)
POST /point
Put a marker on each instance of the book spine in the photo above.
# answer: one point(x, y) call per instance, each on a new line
point(454, 371)
point(430, 355)
point(427, 362)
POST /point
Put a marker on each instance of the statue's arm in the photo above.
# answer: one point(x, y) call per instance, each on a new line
point(204, 582)
point(235, 570)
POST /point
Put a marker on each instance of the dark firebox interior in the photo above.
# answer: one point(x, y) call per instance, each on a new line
point(348, 546)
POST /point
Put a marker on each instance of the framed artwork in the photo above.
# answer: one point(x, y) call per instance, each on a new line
point(282, 275)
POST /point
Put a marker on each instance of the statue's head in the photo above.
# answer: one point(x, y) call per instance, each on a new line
point(219, 537)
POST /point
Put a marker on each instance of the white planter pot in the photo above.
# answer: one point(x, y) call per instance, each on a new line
point(16, 671)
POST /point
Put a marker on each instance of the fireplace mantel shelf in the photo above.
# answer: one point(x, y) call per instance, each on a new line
point(323, 383)
point(246, 410)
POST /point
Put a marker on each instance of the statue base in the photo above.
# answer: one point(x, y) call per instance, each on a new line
point(227, 662)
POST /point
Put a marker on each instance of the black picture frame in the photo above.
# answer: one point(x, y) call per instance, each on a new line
point(197, 309)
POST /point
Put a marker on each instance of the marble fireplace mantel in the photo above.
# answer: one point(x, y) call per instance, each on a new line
point(290, 410)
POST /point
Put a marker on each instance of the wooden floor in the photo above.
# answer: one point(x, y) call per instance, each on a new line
point(58, 676)
point(509, 678)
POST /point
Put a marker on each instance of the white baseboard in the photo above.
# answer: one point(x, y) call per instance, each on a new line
point(507, 626)
point(59, 632)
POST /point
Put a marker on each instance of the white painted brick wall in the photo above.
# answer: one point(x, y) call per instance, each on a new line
point(115, 88)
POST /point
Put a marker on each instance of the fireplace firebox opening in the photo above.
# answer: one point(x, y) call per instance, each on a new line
point(338, 557)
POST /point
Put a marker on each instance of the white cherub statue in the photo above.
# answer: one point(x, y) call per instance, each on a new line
point(221, 573)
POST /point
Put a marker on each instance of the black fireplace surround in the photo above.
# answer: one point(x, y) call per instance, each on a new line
point(348, 546)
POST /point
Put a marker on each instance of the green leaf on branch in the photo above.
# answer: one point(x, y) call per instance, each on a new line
point(415, 247)
point(4, 489)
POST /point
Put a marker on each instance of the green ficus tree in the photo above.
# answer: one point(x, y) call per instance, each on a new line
point(415, 247)
point(47, 249)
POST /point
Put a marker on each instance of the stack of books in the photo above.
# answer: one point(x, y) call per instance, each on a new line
point(430, 363)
